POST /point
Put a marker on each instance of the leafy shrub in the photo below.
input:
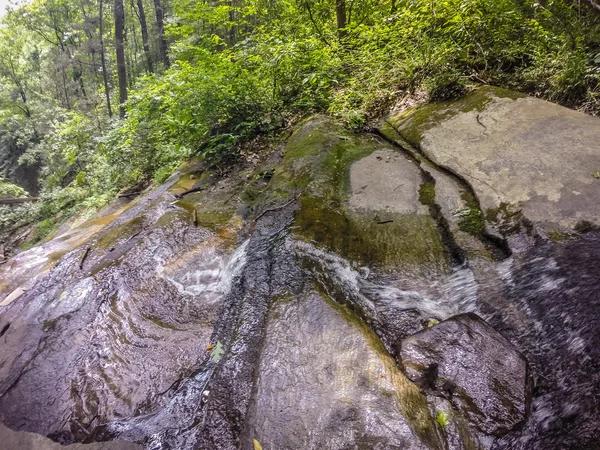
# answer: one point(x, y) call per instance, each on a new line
point(11, 190)
point(169, 118)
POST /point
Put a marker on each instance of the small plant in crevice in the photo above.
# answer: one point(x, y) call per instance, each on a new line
point(443, 419)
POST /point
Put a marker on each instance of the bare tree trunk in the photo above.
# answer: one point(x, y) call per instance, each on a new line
point(120, 47)
point(160, 24)
point(340, 13)
point(103, 62)
point(142, 18)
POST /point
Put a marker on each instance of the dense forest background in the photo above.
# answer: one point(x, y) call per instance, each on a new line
point(100, 95)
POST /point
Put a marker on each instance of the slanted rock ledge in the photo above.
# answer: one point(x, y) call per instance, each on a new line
point(22, 440)
point(518, 153)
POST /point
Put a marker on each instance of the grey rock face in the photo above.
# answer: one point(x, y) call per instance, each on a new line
point(475, 367)
point(534, 155)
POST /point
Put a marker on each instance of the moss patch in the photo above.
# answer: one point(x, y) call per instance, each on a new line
point(472, 221)
point(427, 193)
point(118, 234)
point(317, 158)
point(506, 217)
point(409, 241)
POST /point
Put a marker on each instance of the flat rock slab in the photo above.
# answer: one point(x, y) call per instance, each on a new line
point(386, 181)
point(22, 440)
point(475, 367)
point(525, 152)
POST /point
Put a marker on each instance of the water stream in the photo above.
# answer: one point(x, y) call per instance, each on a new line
point(119, 342)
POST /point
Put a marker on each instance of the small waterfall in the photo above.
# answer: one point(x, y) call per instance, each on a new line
point(451, 295)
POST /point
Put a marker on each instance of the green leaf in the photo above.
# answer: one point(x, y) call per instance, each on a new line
point(217, 352)
point(443, 419)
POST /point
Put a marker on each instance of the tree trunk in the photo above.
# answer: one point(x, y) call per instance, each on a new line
point(144, 27)
point(340, 13)
point(120, 47)
point(15, 201)
point(103, 61)
point(162, 44)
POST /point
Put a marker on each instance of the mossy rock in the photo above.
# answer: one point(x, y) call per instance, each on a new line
point(406, 241)
point(412, 123)
point(120, 233)
point(316, 160)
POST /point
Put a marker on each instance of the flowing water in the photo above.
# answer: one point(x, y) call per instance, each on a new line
point(120, 342)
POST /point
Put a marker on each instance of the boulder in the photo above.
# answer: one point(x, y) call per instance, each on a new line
point(480, 372)
point(518, 153)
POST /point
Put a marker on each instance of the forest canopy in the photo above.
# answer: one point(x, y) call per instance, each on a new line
point(100, 95)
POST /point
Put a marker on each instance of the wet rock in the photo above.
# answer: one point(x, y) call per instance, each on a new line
point(478, 370)
point(325, 381)
point(386, 181)
point(453, 428)
point(21, 440)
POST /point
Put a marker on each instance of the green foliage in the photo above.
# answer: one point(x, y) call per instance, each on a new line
point(217, 353)
point(443, 419)
point(204, 106)
point(11, 190)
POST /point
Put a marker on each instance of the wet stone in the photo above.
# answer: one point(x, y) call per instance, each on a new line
point(326, 382)
point(466, 361)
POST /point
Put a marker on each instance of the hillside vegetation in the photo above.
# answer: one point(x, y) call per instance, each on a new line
point(99, 96)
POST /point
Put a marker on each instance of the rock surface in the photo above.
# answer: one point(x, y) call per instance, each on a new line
point(386, 181)
point(344, 388)
point(22, 440)
point(306, 269)
point(475, 367)
point(514, 150)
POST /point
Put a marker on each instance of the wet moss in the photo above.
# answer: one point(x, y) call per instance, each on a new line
point(171, 219)
point(408, 241)
point(119, 233)
point(472, 221)
point(317, 157)
point(507, 218)
point(427, 193)
point(49, 325)
point(212, 215)
point(559, 236)
point(388, 131)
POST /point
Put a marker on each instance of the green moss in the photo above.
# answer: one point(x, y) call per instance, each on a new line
point(211, 213)
point(559, 236)
point(120, 233)
point(427, 193)
point(409, 241)
point(472, 221)
point(388, 131)
point(49, 325)
point(506, 217)
point(317, 157)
